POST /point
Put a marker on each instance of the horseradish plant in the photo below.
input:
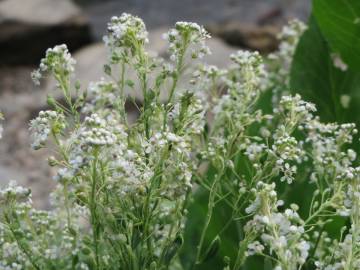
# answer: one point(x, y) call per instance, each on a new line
point(123, 187)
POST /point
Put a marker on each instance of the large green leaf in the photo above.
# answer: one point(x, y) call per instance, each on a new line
point(339, 22)
point(314, 75)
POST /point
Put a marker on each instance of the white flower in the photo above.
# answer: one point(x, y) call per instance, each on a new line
point(42, 126)
point(338, 62)
point(255, 248)
point(254, 151)
point(36, 76)
point(124, 30)
point(351, 154)
point(14, 191)
point(345, 101)
point(187, 34)
point(57, 59)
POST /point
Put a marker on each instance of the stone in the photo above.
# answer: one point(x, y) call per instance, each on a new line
point(7, 174)
point(262, 38)
point(167, 12)
point(28, 28)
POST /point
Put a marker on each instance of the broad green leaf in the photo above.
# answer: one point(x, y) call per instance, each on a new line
point(339, 22)
point(313, 74)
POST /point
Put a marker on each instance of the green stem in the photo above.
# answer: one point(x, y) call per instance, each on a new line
point(93, 211)
point(211, 205)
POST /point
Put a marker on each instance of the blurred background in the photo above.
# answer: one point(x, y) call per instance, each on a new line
point(29, 27)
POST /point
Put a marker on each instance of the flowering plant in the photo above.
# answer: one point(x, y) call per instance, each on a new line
point(124, 187)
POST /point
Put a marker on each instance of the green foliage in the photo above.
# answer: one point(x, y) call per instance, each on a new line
point(339, 22)
point(336, 92)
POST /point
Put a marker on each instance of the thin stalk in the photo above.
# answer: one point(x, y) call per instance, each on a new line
point(211, 205)
point(93, 211)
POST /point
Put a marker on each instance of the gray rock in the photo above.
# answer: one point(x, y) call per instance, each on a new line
point(29, 27)
point(7, 174)
point(262, 38)
point(46, 12)
point(167, 12)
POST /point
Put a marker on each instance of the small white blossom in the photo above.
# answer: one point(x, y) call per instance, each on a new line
point(126, 29)
point(57, 61)
point(187, 34)
point(41, 127)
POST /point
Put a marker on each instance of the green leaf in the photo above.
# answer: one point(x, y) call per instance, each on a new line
point(313, 74)
point(339, 22)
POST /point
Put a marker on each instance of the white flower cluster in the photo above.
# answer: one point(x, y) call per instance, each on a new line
point(208, 73)
point(38, 233)
point(162, 140)
point(101, 94)
point(125, 40)
point(57, 60)
point(130, 174)
point(14, 192)
point(339, 256)
point(279, 62)
point(287, 150)
point(11, 251)
point(46, 123)
point(281, 232)
point(187, 34)
point(96, 133)
point(103, 133)
point(327, 141)
point(124, 30)
point(299, 111)
point(255, 150)
point(175, 152)
point(252, 70)
point(243, 82)
point(289, 36)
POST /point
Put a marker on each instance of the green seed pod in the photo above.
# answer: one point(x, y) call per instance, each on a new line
point(86, 250)
point(77, 85)
point(72, 231)
point(52, 161)
point(107, 70)
point(51, 101)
